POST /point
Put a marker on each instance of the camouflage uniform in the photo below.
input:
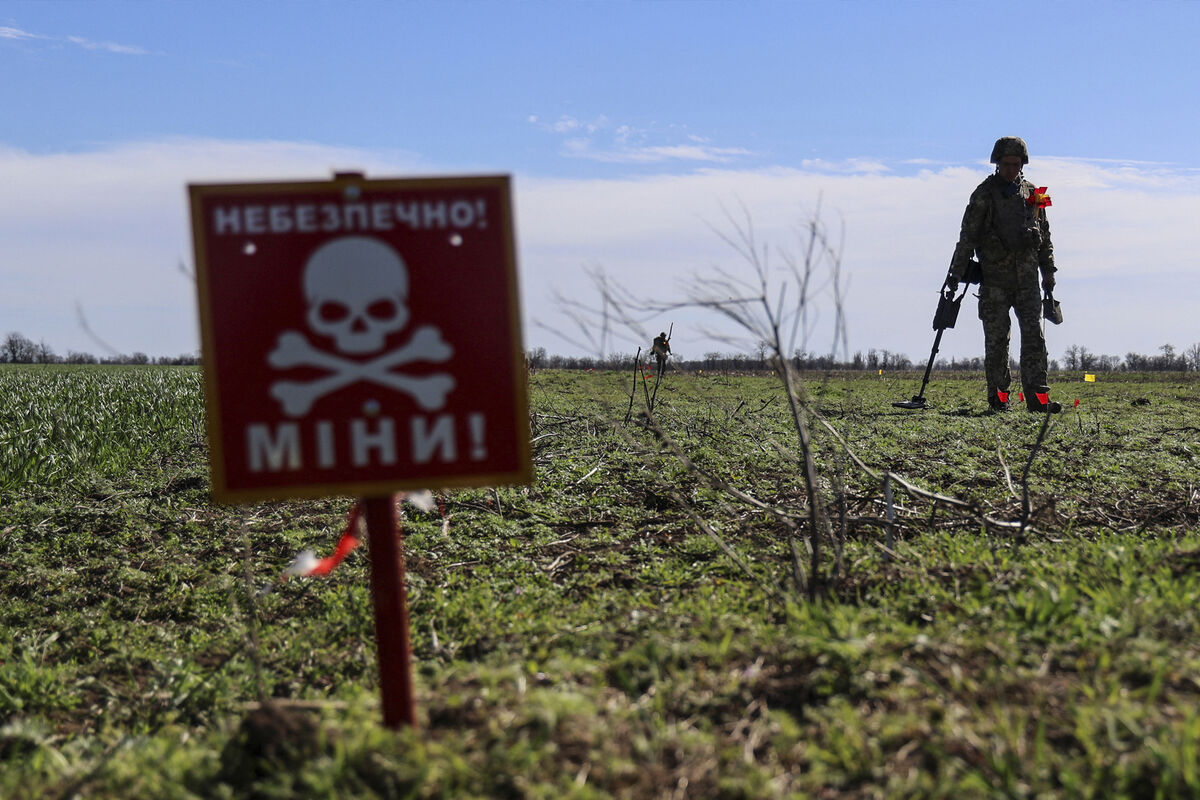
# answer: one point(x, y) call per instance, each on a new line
point(1012, 240)
point(661, 347)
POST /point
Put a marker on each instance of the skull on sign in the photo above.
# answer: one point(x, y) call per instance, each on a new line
point(357, 290)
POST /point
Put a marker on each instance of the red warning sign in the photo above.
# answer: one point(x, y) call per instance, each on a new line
point(360, 336)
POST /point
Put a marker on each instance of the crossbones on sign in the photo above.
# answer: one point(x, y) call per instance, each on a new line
point(357, 291)
point(294, 350)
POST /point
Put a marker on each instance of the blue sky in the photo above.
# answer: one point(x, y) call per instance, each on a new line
point(629, 127)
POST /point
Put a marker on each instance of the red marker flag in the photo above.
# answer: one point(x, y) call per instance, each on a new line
point(1002, 395)
point(1042, 397)
point(1039, 198)
point(345, 546)
point(1021, 396)
point(1077, 402)
point(307, 565)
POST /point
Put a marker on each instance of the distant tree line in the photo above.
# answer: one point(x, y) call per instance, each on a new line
point(18, 349)
point(1167, 360)
point(1076, 358)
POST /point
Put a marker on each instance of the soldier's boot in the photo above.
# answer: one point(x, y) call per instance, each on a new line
point(997, 400)
point(1038, 401)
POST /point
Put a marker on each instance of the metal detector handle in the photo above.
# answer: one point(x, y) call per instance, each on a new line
point(974, 274)
point(947, 307)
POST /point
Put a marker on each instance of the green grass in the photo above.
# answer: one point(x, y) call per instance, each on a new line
point(60, 426)
point(582, 637)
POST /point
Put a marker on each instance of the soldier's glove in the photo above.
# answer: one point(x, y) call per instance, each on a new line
point(952, 283)
point(1048, 281)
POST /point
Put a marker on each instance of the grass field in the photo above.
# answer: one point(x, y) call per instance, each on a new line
point(626, 627)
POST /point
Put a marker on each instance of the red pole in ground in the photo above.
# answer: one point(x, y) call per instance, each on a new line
point(386, 545)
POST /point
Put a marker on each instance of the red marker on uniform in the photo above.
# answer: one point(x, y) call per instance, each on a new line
point(1039, 198)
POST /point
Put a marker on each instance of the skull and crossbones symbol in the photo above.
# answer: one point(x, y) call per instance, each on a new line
point(357, 293)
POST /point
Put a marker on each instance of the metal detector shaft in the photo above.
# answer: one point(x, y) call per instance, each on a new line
point(918, 402)
point(937, 340)
point(945, 317)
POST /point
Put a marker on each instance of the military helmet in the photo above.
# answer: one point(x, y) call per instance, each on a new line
point(1010, 146)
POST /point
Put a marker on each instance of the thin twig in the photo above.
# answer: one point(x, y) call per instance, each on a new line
point(1007, 475)
point(891, 515)
point(714, 482)
point(773, 589)
point(1025, 509)
point(637, 360)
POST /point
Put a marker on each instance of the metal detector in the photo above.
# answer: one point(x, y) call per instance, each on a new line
point(945, 317)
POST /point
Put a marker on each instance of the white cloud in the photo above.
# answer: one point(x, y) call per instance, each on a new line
point(78, 41)
point(568, 124)
point(598, 140)
point(16, 33)
point(652, 154)
point(1125, 241)
point(848, 167)
point(109, 47)
point(108, 228)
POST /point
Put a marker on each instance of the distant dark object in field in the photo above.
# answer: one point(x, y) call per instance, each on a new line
point(1141, 401)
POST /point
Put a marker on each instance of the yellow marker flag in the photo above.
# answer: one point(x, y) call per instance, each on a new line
point(880, 372)
point(1090, 378)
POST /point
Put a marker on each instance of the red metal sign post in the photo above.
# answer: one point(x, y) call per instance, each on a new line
point(392, 638)
point(362, 337)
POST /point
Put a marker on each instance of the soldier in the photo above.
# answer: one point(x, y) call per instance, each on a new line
point(661, 349)
point(1005, 226)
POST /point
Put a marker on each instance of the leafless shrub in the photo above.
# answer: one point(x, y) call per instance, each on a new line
point(771, 308)
point(775, 309)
